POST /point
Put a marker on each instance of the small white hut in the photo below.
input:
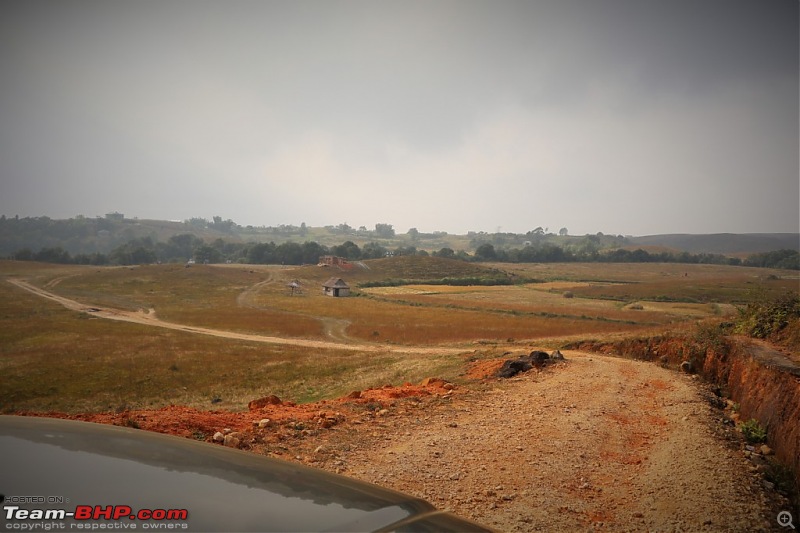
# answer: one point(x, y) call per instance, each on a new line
point(335, 287)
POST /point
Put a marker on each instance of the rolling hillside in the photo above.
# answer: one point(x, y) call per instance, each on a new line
point(722, 243)
point(102, 235)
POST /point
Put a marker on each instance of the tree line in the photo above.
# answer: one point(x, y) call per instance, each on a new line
point(551, 253)
point(185, 247)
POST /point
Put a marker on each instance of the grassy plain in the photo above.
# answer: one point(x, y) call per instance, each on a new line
point(55, 359)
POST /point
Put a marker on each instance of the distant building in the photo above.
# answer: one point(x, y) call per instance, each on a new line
point(333, 260)
point(335, 287)
point(115, 216)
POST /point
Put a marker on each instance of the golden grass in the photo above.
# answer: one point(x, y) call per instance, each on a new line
point(533, 300)
point(52, 358)
point(55, 359)
point(665, 281)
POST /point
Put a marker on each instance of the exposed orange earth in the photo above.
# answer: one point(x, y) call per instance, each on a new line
point(594, 442)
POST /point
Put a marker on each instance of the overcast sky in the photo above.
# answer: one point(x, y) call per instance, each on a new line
point(622, 116)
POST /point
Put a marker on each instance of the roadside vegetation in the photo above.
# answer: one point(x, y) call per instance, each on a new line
point(777, 320)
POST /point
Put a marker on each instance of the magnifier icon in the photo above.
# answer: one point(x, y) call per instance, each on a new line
point(785, 519)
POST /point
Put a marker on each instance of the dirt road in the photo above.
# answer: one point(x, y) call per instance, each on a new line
point(595, 442)
point(598, 442)
point(149, 318)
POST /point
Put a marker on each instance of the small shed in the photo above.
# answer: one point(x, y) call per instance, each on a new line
point(335, 287)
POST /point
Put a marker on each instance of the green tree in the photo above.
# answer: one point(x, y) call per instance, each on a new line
point(447, 253)
point(485, 252)
point(261, 254)
point(373, 250)
point(134, 252)
point(385, 231)
point(196, 222)
point(25, 254)
point(405, 250)
point(312, 251)
point(348, 250)
point(289, 253)
point(55, 254)
point(91, 259)
point(207, 254)
point(222, 225)
point(179, 247)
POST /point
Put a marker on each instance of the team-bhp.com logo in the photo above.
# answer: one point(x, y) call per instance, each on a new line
point(92, 514)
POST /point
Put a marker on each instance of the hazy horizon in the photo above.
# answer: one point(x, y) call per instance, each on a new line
point(403, 231)
point(614, 116)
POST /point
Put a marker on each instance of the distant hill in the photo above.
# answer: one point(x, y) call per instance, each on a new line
point(722, 243)
point(103, 234)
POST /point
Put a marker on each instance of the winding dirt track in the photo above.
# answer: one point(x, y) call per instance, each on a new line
point(594, 443)
point(149, 318)
point(597, 442)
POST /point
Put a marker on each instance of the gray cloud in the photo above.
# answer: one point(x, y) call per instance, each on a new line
point(619, 116)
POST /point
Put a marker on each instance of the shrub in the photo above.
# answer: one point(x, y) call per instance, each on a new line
point(753, 432)
point(761, 320)
point(711, 336)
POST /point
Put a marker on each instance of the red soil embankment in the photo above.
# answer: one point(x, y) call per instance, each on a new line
point(765, 391)
point(762, 380)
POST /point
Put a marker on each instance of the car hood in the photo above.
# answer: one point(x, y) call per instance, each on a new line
point(62, 464)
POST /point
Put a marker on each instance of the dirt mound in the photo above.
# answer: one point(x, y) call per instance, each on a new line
point(603, 445)
point(484, 369)
point(202, 425)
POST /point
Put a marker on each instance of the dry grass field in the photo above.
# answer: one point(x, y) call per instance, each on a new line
point(52, 358)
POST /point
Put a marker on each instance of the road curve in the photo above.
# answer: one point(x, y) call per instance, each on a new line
point(150, 319)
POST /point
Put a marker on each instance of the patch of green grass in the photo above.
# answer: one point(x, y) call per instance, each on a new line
point(753, 432)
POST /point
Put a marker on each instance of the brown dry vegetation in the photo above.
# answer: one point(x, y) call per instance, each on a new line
point(631, 282)
point(53, 358)
point(592, 442)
